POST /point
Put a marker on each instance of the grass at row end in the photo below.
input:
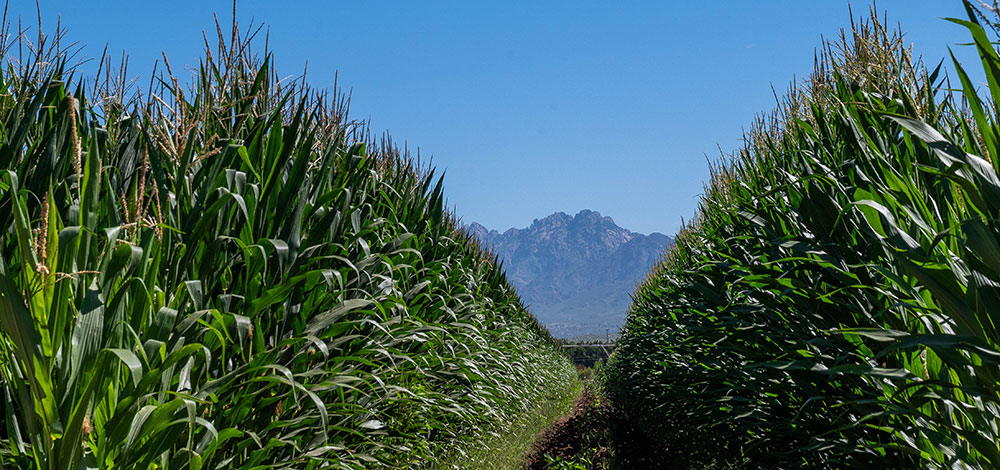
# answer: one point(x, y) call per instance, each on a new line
point(507, 451)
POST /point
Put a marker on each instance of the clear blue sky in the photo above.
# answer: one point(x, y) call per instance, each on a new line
point(531, 107)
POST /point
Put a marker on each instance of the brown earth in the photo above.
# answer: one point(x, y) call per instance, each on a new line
point(595, 429)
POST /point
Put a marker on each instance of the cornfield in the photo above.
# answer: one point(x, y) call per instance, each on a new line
point(232, 274)
point(835, 302)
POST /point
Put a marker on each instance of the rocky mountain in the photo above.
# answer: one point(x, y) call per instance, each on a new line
point(575, 273)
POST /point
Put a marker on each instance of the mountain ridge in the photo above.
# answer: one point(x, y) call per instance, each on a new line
point(575, 273)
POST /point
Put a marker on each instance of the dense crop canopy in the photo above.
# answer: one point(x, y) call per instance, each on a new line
point(232, 274)
point(835, 303)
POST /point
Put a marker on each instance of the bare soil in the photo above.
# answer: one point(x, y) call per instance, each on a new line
point(600, 432)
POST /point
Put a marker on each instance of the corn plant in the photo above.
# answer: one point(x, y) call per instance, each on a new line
point(833, 305)
point(231, 273)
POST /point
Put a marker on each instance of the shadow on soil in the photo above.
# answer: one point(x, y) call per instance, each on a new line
point(594, 436)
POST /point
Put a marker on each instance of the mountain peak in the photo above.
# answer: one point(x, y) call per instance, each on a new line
point(575, 272)
point(588, 214)
point(555, 220)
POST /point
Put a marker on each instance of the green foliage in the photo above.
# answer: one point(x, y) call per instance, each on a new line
point(582, 462)
point(589, 437)
point(506, 449)
point(232, 274)
point(587, 355)
point(834, 303)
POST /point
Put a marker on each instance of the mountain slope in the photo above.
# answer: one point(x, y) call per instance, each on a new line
point(575, 273)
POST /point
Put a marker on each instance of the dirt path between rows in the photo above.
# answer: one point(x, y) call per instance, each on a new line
point(594, 435)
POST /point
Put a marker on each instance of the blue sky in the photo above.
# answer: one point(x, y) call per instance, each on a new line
point(531, 107)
